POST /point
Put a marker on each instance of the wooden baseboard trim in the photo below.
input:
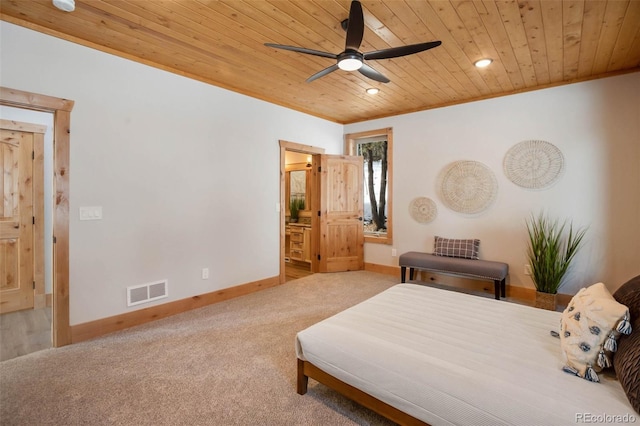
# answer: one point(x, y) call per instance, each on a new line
point(521, 293)
point(92, 329)
point(524, 294)
point(97, 328)
point(383, 269)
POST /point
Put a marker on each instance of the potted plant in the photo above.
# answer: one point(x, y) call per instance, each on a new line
point(550, 253)
point(295, 205)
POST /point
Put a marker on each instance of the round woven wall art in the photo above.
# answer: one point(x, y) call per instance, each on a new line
point(533, 164)
point(423, 209)
point(468, 187)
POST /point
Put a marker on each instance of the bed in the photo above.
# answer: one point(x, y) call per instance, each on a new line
point(422, 355)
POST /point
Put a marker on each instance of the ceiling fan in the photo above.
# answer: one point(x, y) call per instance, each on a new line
point(351, 59)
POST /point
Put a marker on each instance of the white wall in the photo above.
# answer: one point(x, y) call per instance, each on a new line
point(595, 124)
point(187, 174)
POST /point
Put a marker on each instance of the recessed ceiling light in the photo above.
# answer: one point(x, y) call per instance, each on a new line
point(483, 63)
point(373, 90)
point(66, 5)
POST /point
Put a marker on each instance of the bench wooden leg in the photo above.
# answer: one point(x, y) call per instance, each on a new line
point(403, 273)
point(411, 270)
point(497, 285)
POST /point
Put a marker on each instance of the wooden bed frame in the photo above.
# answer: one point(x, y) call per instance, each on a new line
point(306, 370)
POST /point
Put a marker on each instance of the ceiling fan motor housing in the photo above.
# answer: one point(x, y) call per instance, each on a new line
point(350, 60)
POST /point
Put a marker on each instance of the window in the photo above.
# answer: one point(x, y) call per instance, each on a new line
point(376, 147)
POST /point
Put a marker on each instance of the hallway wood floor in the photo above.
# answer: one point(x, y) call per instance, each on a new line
point(24, 332)
point(293, 270)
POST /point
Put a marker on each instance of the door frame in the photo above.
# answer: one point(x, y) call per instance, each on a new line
point(314, 202)
point(61, 109)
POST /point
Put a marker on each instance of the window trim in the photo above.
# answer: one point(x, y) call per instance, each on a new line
point(350, 142)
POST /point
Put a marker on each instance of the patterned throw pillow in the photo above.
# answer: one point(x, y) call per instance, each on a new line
point(467, 249)
point(589, 329)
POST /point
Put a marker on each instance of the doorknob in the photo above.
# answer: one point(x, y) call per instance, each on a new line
point(360, 218)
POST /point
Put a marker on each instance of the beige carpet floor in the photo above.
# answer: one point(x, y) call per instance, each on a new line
point(231, 363)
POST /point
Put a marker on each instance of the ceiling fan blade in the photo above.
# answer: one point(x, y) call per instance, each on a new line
point(396, 52)
point(303, 50)
point(367, 71)
point(322, 73)
point(355, 28)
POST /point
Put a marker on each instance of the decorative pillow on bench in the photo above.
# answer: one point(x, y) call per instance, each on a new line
point(466, 249)
point(589, 330)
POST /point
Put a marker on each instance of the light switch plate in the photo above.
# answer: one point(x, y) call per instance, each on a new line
point(91, 213)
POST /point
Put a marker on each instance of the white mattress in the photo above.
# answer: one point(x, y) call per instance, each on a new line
point(449, 358)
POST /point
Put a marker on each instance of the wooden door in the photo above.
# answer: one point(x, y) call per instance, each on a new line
point(341, 209)
point(16, 221)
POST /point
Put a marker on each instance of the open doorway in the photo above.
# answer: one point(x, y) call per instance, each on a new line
point(61, 110)
point(298, 227)
point(26, 237)
point(298, 199)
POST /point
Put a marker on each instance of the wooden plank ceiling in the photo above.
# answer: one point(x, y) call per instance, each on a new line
point(534, 44)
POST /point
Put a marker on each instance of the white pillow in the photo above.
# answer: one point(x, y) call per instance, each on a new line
point(589, 329)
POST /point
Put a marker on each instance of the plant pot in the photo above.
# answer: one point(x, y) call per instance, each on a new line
point(545, 301)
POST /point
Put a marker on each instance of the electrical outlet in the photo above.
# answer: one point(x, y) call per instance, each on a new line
point(527, 269)
point(205, 273)
point(394, 252)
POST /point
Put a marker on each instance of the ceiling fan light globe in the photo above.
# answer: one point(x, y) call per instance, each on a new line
point(349, 64)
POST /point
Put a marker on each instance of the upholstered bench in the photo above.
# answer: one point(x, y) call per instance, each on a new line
point(471, 268)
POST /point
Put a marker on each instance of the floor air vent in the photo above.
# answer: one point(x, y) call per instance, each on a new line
point(144, 293)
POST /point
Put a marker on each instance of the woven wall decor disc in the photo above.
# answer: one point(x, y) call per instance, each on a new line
point(468, 187)
point(423, 209)
point(533, 164)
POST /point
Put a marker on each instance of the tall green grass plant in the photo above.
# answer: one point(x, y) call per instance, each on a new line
point(550, 251)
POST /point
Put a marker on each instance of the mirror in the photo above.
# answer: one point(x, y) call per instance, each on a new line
point(298, 186)
point(297, 194)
